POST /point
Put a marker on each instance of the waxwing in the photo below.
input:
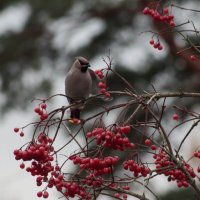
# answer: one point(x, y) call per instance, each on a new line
point(80, 82)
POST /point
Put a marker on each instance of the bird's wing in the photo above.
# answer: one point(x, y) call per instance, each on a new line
point(95, 80)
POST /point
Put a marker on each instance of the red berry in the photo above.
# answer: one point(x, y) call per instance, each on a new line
point(125, 196)
point(45, 194)
point(175, 117)
point(185, 184)
point(195, 154)
point(193, 58)
point(39, 178)
point(44, 116)
point(146, 11)
point(39, 194)
point(126, 187)
point(16, 130)
point(103, 90)
point(147, 142)
point(97, 72)
point(125, 129)
point(117, 195)
point(107, 94)
point(43, 105)
point(166, 10)
point(37, 110)
point(153, 147)
point(170, 17)
point(172, 24)
point(102, 85)
point(22, 165)
point(160, 47)
point(16, 151)
point(151, 42)
point(156, 45)
point(156, 16)
point(22, 134)
point(198, 169)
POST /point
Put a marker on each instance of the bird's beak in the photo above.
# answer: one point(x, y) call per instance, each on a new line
point(86, 66)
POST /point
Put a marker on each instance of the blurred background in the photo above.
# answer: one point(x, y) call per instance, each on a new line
point(38, 42)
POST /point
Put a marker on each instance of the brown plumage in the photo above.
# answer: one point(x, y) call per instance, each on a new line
point(79, 85)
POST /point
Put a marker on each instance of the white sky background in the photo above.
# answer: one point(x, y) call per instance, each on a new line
point(16, 184)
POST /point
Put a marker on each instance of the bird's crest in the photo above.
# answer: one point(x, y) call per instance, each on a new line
point(82, 60)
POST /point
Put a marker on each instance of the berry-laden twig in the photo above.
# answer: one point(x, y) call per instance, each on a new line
point(166, 15)
point(98, 159)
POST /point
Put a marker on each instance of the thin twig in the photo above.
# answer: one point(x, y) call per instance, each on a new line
point(191, 128)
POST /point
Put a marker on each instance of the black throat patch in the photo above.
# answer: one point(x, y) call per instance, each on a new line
point(84, 69)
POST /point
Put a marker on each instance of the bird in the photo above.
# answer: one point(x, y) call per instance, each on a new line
point(80, 82)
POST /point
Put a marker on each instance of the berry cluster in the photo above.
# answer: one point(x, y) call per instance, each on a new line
point(102, 85)
point(137, 169)
point(147, 143)
point(156, 45)
point(165, 16)
point(120, 195)
point(174, 173)
point(92, 180)
point(21, 133)
point(124, 196)
point(99, 73)
point(43, 194)
point(40, 153)
point(41, 111)
point(41, 166)
point(114, 139)
point(97, 165)
point(69, 189)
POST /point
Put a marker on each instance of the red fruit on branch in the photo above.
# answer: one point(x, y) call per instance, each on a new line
point(16, 130)
point(45, 194)
point(43, 105)
point(166, 10)
point(37, 110)
point(147, 142)
point(22, 165)
point(151, 42)
point(193, 58)
point(175, 117)
point(153, 147)
point(39, 194)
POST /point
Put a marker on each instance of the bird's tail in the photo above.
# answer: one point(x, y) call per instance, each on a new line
point(75, 113)
point(75, 116)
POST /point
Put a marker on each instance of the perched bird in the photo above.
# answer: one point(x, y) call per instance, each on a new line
point(80, 82)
